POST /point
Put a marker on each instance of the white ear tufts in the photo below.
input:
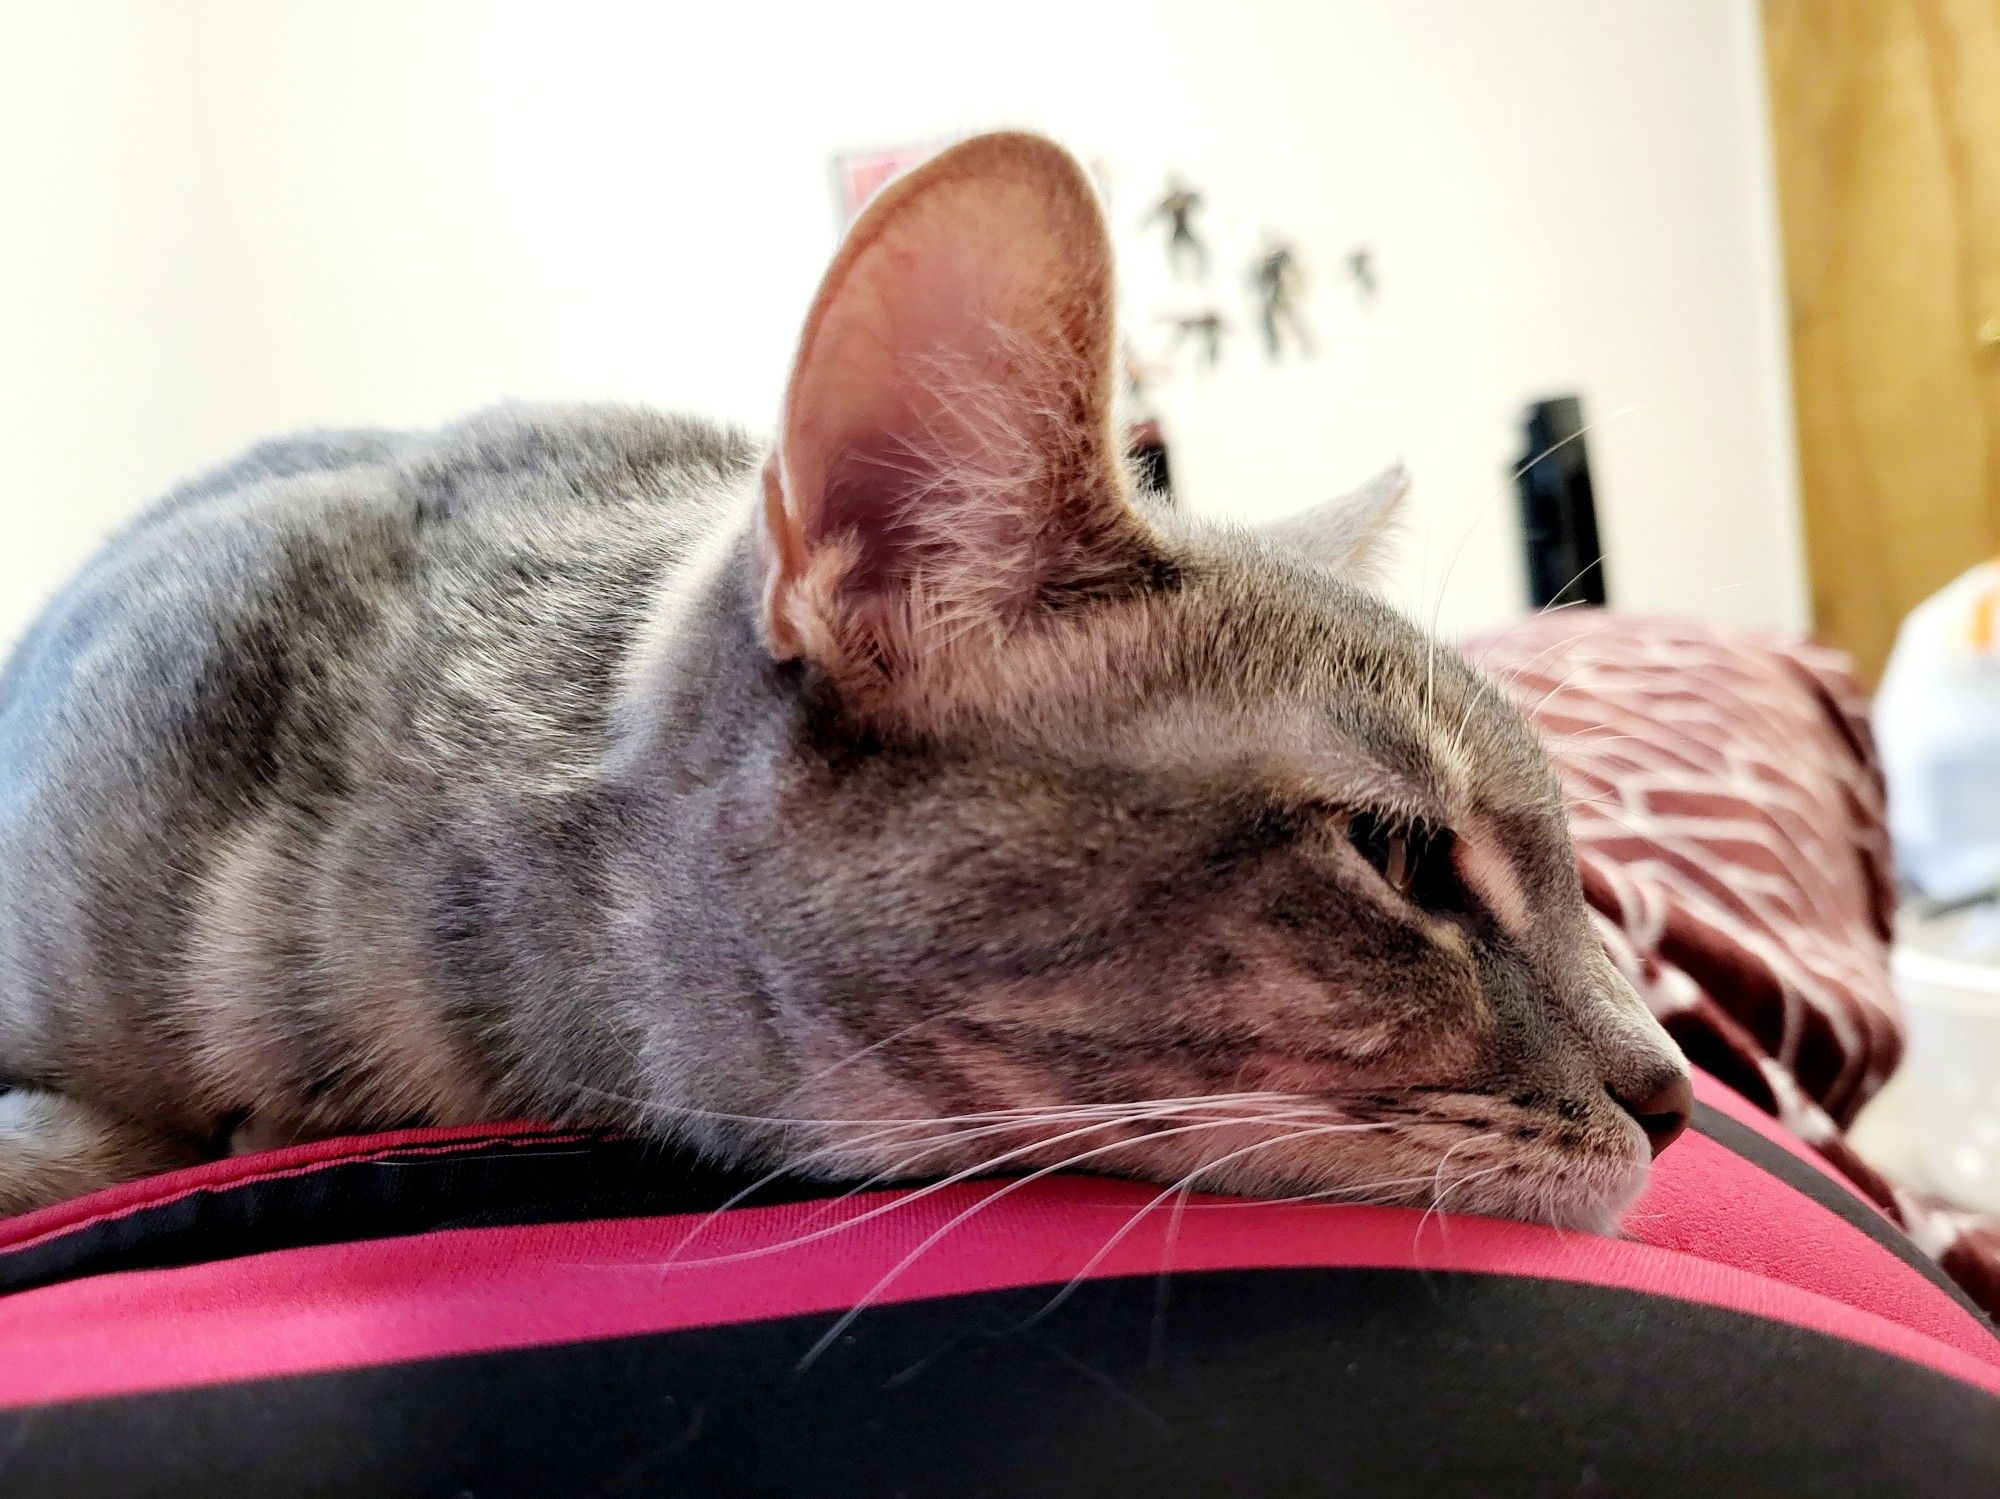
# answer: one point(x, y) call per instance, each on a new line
point(1351, 534)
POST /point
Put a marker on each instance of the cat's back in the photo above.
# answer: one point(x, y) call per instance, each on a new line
point(245, 646)
point(239, 593)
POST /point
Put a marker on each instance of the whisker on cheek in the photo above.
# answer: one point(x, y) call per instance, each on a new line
point(932, 1145)
point(834, 1150)
point(686, 1111)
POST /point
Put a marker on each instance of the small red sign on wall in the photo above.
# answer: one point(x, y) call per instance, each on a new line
point(860, 175)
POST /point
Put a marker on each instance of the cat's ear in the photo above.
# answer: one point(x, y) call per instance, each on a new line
point(946, 465)
point(1350, 535)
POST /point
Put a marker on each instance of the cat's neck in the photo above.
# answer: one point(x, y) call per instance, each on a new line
point(697, 726)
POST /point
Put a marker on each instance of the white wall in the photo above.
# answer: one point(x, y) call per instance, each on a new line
point(116, 373)
point(241, 215)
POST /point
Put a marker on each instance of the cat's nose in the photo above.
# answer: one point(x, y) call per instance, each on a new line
point(1664, 1112)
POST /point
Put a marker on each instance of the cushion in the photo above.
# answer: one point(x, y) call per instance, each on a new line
point(530, 1310)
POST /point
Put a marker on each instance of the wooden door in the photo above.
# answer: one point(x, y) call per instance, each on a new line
point(1886, 121)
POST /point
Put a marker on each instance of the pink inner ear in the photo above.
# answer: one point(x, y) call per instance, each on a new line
point(944, 336)
point(947, 422)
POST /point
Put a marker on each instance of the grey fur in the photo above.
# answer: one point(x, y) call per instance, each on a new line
point(1350, 534)
point(381, 778)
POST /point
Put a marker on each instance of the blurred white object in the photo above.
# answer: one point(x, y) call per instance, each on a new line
point(1947, 975)
point(1937, 724)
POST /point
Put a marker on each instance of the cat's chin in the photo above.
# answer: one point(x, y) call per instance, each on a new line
point(1587, 1193)
point(1593, 1201)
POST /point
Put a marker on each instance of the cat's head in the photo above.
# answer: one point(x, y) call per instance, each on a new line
point(1178, 835)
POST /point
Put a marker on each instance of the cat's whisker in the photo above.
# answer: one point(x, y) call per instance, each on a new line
point(1437, 1207)
point(1604, 811)
point(1602, 735)
point(1444, 583)
point(690, 1111)
point(1437, 1176)
point(1467, 1178)
point(1575, 578)
point(1579, 434)
point(1353, 1195)
point(847, 1319)
point(1125, 1114)
point(1610, 799)
point(1527, 666)
point(1472, 705)
point(1556, 650)
point(838, 1147)
point(981, 1168)
point(1181, 1187)
point(1555, 608)
point(1438, 1210)
point(1173, 1235)
point(646, 1108)
point(1542, 703)
point(938, 1139)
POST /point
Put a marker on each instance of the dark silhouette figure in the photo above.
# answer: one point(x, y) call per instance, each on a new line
point(1184, 246)
point(1361, 269)
point(1277, 281)
point(1207, 329)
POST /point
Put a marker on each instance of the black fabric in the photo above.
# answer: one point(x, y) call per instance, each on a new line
point(1774, 1160)
point(1375, 1382)
point(503, 1182)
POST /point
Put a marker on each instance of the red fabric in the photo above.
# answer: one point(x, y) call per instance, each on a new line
point(1729, 821)
point(1707, 1201)
point(1726, 1101)
point(1714, 1231)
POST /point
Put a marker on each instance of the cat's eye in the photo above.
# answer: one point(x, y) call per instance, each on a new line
point(1413, 858)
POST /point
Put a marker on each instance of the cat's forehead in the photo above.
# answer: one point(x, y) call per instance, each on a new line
point(1315, 679)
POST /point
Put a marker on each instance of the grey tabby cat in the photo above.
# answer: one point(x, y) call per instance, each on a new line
point(903, 799)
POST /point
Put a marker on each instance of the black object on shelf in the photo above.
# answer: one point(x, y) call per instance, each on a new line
point(1146, 446)
point(1558, 508)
